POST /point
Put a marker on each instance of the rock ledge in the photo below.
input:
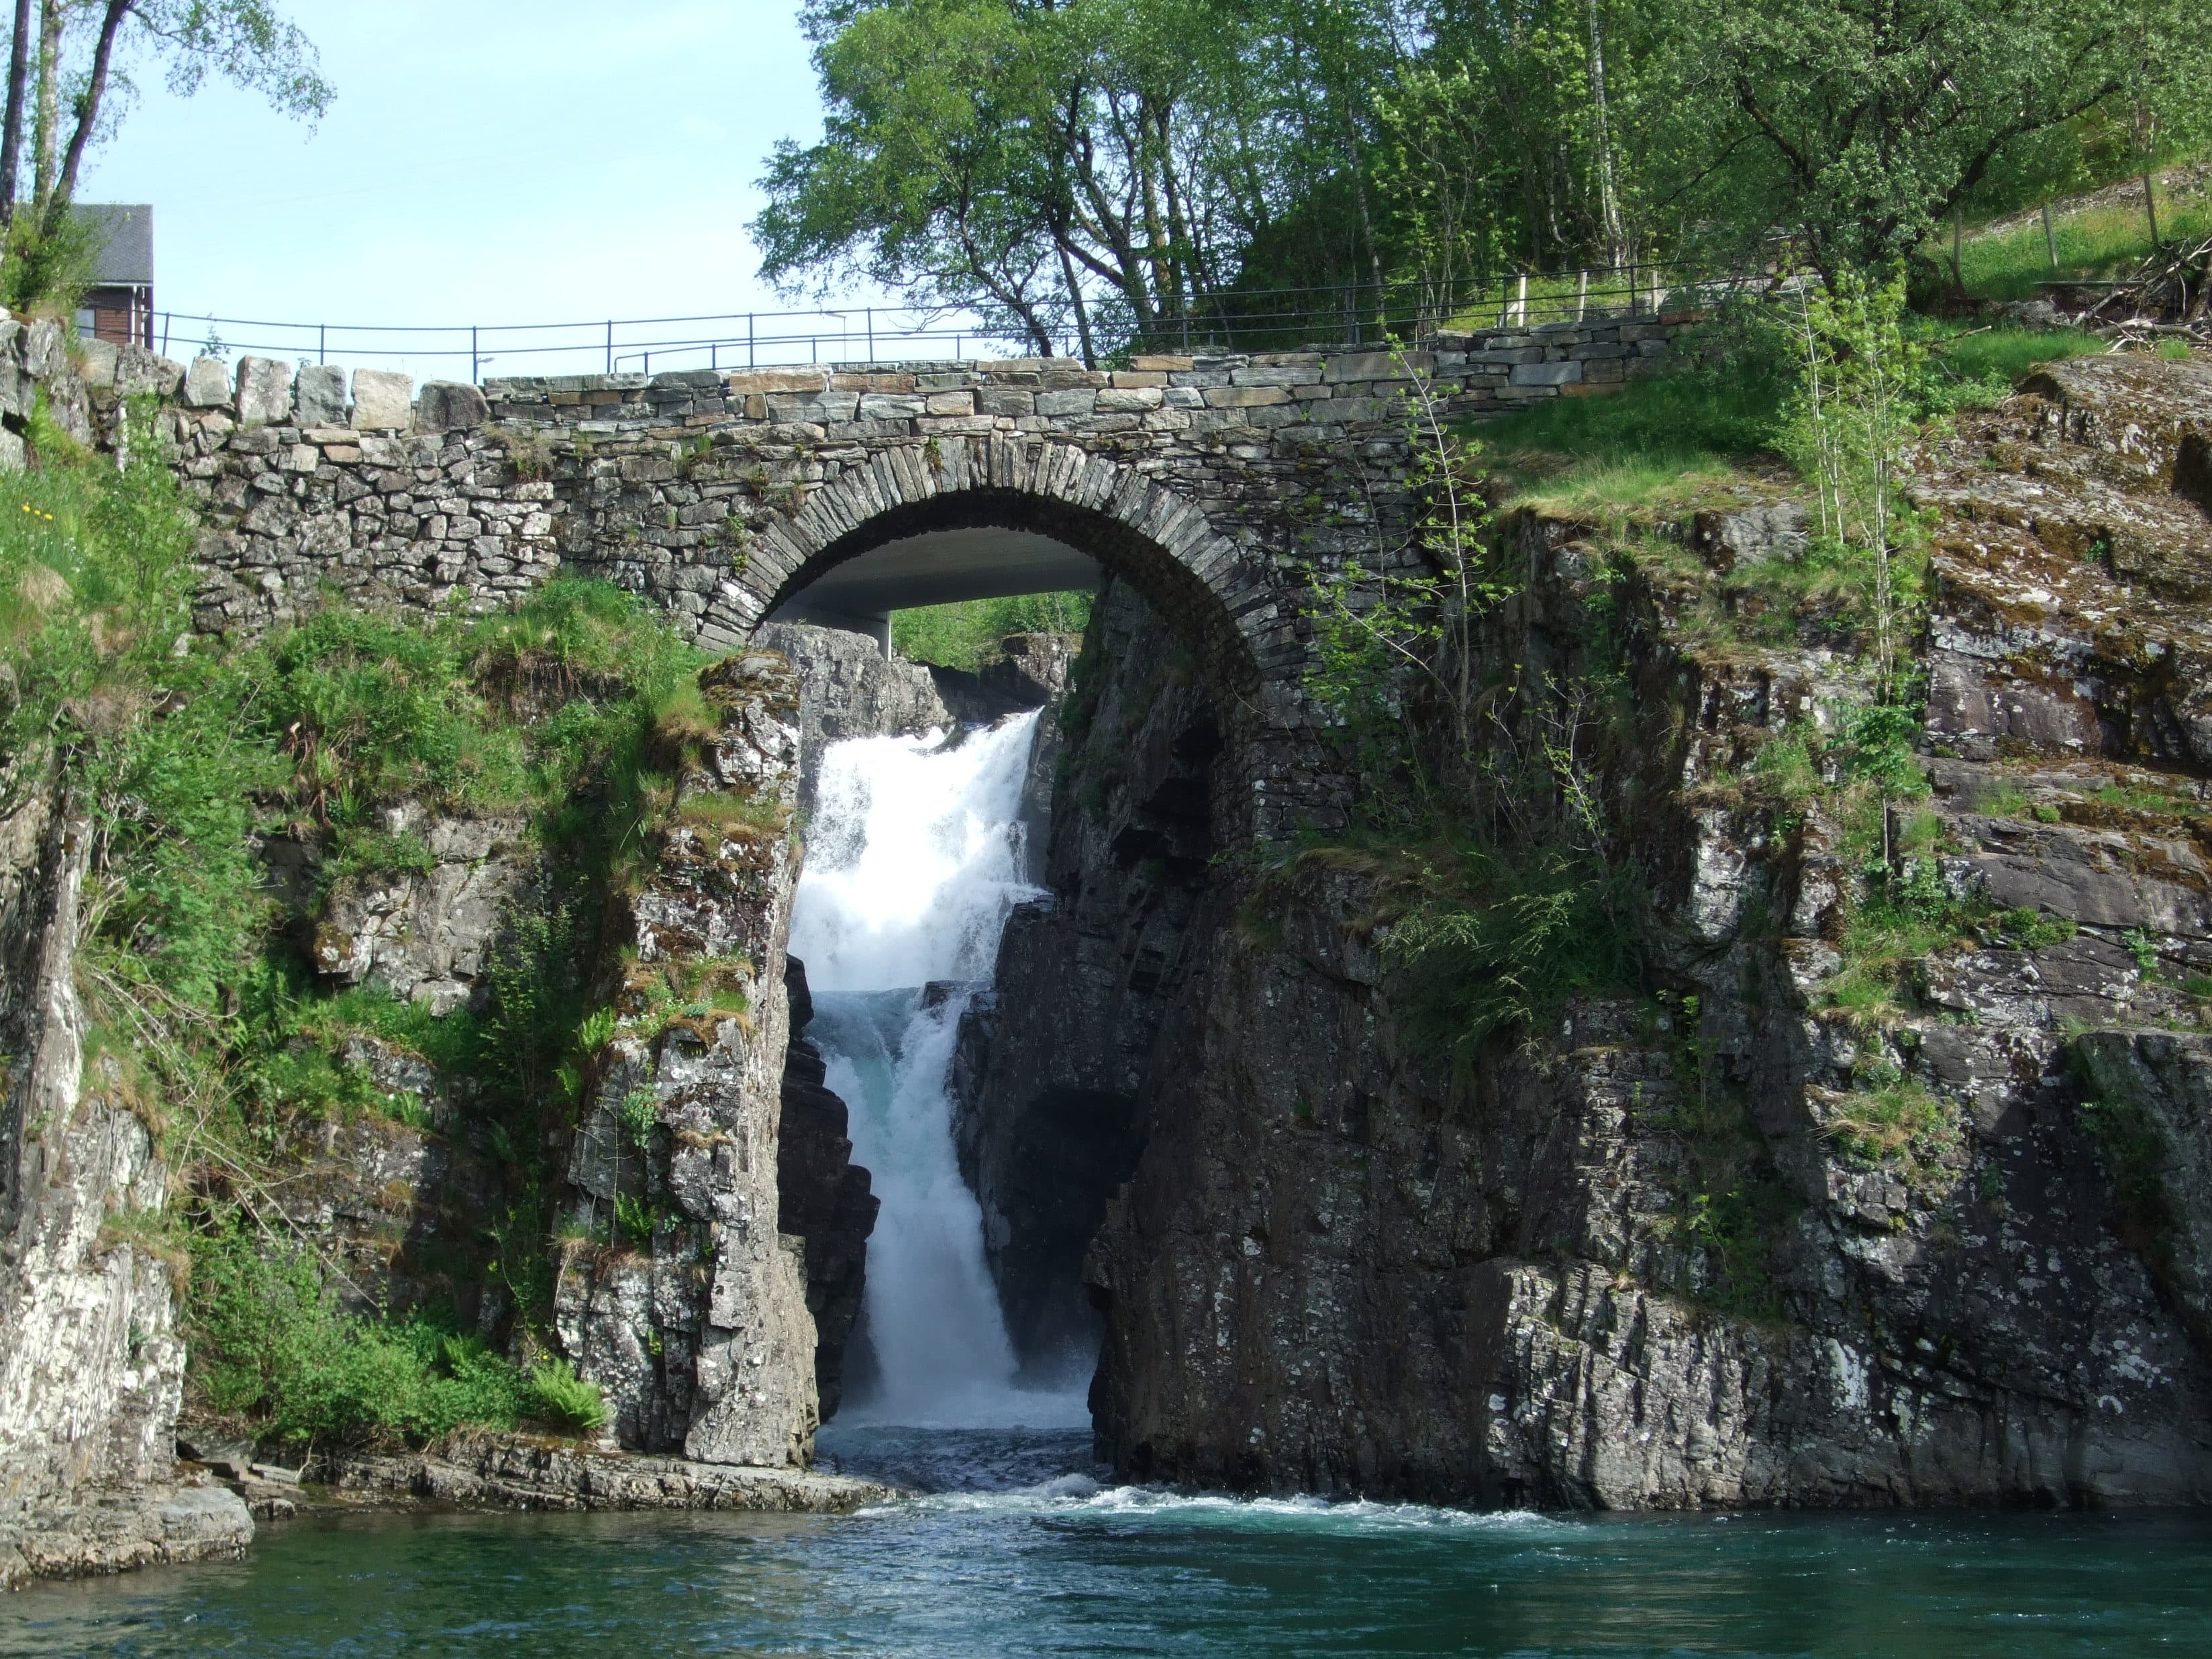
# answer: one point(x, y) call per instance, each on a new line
point(116, 1532)
point(513, 1471)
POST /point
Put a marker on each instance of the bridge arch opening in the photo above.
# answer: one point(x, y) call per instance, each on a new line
point(994, 542)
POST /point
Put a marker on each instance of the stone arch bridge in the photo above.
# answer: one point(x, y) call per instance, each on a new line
point(838, 493)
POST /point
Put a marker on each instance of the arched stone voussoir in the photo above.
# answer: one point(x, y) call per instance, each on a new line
point(1214, 593)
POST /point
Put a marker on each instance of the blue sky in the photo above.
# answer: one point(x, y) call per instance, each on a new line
point(483, 162)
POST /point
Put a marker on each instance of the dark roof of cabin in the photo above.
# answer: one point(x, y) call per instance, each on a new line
point(125, 240)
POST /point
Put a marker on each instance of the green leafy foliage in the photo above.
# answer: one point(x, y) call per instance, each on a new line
point(1823, 114)
point(272, 1345)
point(1855, 411)
point(2143, 945)
point(1095, 175)
point(639, 1114)
point(965, 634)
point(47, 262)
point(2030, 930)
point(1498, 944)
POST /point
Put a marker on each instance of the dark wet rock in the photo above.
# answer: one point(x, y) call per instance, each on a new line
point(1340, 1265)
point(825, 1197)
point(1053, 1067)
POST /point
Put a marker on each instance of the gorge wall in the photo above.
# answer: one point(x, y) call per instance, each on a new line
point(705, 1266)
point(1653, 1255)
point(92, 1366)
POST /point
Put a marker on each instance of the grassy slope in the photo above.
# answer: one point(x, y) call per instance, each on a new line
point(966, 634)
point(1706, 432)
point(2097, 241)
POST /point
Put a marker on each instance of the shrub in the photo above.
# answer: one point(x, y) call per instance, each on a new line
point(2031, 930)
point(563, 1400)
point(272, 1345)
point(1502, 943)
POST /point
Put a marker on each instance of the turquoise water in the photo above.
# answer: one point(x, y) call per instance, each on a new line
point(1027, 1555)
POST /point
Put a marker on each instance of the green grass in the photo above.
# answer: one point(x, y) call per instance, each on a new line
point(966, 634)
point(2098, 244)
point(273, 1347)
point(2004, 354)
point(1898, 1122)
point(1665, 442)
point(1683, 418)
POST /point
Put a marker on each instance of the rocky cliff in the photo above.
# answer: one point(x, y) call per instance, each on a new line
point(827, 1199)
point(683, 1297)
point(1054, 1069)
point(91, 1366)
point(848, 688)
point(427, 1173)
point(1881, 1182)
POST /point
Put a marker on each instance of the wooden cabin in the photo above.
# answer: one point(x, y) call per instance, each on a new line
point(118, 306)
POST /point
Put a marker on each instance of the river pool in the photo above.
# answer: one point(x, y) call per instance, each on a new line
point(1024, 1552)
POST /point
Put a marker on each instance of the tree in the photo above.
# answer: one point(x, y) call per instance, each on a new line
point(1103, 163)
point(1856, 126)
point(77, 64)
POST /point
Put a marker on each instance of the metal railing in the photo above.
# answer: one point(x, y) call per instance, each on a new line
point(1348, 315)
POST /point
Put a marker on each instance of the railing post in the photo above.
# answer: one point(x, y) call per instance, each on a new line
point(871, 334)
point(611, 348)
point(752, 356)
point(476, 361)
point(322, 343)
point(1582, 294)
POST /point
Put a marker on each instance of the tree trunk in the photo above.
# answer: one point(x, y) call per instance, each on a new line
point(11, 136)
point(103, 55)
point(45, 145)
point(1075, 299)
point(1616, 235)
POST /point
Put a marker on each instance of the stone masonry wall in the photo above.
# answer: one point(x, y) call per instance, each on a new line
point(1210, 483)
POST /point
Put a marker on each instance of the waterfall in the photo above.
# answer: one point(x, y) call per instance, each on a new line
point(915, 857)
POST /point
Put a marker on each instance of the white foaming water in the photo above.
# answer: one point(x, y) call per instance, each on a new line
point(915, 857)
